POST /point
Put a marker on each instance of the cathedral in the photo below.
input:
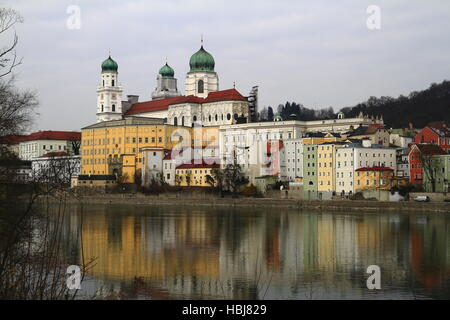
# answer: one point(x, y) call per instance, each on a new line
point(203, 104)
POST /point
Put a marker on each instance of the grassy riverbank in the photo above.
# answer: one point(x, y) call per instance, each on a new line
point(335, 205)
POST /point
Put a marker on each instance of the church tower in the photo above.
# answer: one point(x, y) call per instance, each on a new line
point(109, 93)
point(201, 79)
point(166, 84)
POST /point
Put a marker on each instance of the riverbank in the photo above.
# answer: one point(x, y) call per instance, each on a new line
point(331, 205)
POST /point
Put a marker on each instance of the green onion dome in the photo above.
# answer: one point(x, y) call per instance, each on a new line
point(277, 118)
point(166, 71)
point(109, 65)
point(202, 61)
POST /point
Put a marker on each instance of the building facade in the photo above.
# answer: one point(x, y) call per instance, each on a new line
point(373, 178)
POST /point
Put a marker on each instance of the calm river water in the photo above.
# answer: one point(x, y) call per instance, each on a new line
point(145, 252)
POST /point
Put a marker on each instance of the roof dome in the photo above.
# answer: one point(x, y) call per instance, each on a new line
point(277, 118)
point(109, 65)
point(166, 71)
point(202, 61)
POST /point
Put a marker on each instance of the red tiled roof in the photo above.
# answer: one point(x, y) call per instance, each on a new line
point(54, 154)
point(163, 104)
point(225, 95)
point(429, 149)
point(440, 127)
point(12, 139)
point(54, 135)
point(373, 128)
point(203, 165)
point(375, 169)
point(45, 135)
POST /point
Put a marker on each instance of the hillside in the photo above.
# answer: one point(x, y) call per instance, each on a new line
point(419, 108)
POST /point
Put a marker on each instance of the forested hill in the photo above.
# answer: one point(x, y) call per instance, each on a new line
point(419, 108)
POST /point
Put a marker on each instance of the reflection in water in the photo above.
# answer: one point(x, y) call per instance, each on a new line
point(186, 253)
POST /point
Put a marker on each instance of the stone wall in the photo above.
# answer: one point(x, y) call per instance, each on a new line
point(277, 204)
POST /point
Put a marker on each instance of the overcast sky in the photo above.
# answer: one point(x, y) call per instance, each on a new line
point(318, 53)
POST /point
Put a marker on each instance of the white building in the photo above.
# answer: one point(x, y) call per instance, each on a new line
point(294, 159)
point(399, 140)
point(353, 156)
point(203, 103)
point(159, 161)
point(109, 93)
point(39, 143)
point(55, 167)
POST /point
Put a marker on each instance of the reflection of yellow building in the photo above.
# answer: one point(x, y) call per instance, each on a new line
point(326, 238)
point(131, 248)
point(116, 146)
point(195, 175)
point(375, 178)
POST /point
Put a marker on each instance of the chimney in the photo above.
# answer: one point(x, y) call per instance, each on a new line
point(132, 98)
point(366, 143)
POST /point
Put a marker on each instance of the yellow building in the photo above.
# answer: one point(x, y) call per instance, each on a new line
point(326, 165)
point(195, 175)
point(115, 147)
point(375, 178)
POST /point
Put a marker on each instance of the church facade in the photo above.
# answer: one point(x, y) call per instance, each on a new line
point(202, 105)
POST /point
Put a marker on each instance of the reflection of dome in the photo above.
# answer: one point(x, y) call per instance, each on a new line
point(166, 71)
point(277, 118)
point(202, 61)
point(109, 65)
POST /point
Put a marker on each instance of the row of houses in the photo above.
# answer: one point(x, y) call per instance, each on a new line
point(368, 157)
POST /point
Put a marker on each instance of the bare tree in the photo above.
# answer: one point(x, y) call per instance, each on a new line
point(429, 171)
point(76, 145)
point(16, 108)
point(233, 177)
point(56, 170)
point(8, 56)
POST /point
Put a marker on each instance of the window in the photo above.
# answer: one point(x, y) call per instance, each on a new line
point(113, 108)
point(200, 87)
point(102, 108)
point(113, 82)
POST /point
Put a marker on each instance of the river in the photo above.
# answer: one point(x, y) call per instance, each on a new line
point(168, 252)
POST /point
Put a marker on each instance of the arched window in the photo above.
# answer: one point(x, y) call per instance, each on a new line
point(175, 121)
point(209, 118)
point(222, 116)
point(113, 83)
point(228, 116)
point(216, 117)
point(195, 118)
point(102, 108)
point(113, 108)
point(200, 87)
point(182, 121)
point(236, 116)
